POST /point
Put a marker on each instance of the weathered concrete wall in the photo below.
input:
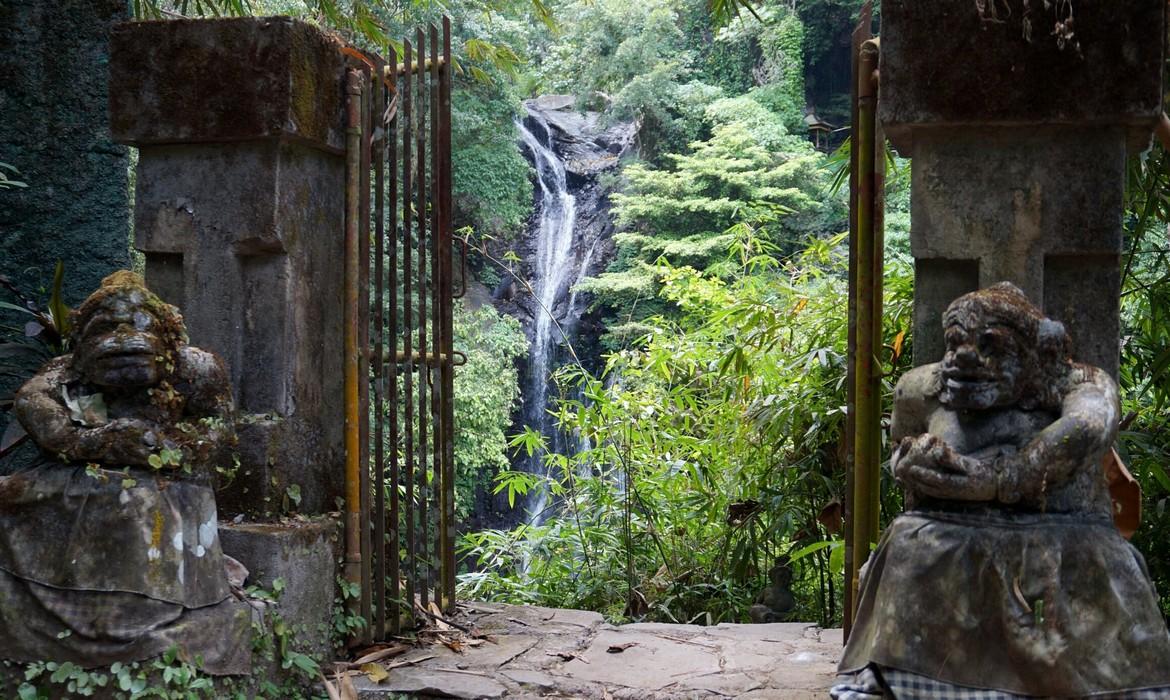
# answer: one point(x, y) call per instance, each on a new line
point(1005, 204)
point(301, 554)
point(240, 211)
point(1018, 124)
point(54, 128)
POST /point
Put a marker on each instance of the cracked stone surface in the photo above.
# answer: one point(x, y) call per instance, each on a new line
point(550, 653)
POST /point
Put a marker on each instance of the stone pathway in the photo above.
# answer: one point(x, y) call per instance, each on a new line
point(551, 653)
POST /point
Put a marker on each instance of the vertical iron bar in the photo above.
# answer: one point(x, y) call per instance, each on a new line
point(391, 356)
point(421, 217)
point(379, 152)
point(364, 356)
point(448, 367)
point(441, 353)
point(353, 514)
point(407, 328)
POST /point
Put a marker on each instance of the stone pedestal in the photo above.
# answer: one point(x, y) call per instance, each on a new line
point(301, 556)
point(240, 213)
point(1018, 124)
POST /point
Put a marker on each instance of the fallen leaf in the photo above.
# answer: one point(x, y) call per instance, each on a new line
point(87, 410)
point(379, 655)
point(341, 688)
point(330, 689)
point(567, 656)
point(439, 621)
point(898, 339)
point(1020, 594)
point(374, 672)
point(408, 662)
point(619, 648)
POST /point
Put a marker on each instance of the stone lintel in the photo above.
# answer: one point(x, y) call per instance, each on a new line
point(235, 79)
point(954, 63)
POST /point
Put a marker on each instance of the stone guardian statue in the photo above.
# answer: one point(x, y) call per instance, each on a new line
point(1006, 572)
point(108, 543)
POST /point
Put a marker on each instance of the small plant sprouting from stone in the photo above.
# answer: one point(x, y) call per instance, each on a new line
point(168, 457)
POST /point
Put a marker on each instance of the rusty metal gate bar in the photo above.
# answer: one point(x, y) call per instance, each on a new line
point(403, 521)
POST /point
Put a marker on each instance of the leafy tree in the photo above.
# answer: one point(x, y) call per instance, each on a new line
point(750, 176)
point(714, 450)
point(486, 390)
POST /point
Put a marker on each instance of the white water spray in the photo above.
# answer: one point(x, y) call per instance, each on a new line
point(554, 272)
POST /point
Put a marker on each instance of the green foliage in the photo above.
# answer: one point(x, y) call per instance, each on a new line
point(714, 449)
point(486, 390)
point(492, 192)
point(1145, 358)
point(751, 184)
point(750, 170)
point(781, 72)
point(6, 180)
point(169, 677)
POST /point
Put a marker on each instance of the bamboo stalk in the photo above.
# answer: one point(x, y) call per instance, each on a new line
point(866, 438)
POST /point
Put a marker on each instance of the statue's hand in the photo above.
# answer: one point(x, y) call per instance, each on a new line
point(927, 465)
point(123, 442)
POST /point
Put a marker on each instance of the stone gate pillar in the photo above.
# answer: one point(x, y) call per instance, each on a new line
point(239, 210)
point(1018, 115)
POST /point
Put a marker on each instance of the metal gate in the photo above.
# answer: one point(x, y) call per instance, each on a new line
point(400, 471)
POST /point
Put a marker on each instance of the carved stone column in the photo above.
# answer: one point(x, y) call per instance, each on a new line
point(239, 212)
point(1018, 116)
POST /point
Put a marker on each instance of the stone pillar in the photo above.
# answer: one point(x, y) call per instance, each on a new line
point(1018, 122)
point(239, 211)
point(54, 129)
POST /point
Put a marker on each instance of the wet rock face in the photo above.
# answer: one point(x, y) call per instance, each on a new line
point(567, 240)
point(587, 148)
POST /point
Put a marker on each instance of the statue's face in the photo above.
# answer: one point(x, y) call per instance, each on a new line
point(119, 344)
point(983, 366)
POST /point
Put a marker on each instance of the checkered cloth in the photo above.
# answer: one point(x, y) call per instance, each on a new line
point(902, 685)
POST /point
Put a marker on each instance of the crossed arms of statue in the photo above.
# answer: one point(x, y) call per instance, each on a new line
point(927, 465)
point(206, 423)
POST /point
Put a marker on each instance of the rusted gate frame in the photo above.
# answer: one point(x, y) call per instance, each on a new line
point(403, 115)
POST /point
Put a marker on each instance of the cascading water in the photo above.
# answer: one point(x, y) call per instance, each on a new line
point(554, 272)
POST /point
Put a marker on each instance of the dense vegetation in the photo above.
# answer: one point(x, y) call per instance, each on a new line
point(714, 428)
point(713, 433)
point(712, 436)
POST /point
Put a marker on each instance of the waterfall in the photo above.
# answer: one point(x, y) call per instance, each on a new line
point(554, 272)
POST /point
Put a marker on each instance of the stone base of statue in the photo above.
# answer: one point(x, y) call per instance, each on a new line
point(1044, 604)
point(101, 566)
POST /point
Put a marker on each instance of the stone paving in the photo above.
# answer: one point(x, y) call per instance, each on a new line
point(550, 653)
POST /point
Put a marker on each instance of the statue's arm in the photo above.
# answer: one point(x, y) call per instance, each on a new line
point(1086, 428)
point(209, 417)
point(914, 398)
point(42, 412)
